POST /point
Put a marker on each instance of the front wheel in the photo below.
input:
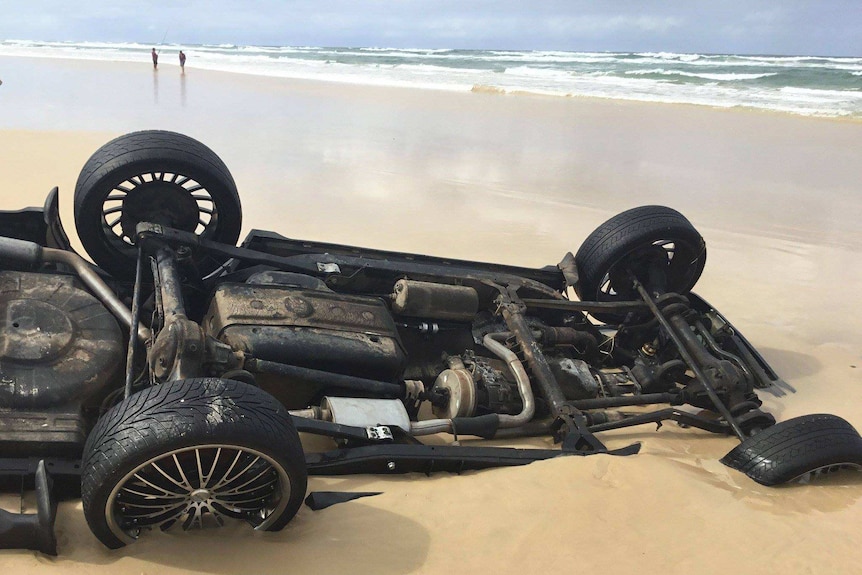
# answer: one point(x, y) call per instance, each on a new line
point(192, 453)
point(798, 449)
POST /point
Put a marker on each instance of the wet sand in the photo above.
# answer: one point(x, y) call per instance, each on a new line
point(520, 180)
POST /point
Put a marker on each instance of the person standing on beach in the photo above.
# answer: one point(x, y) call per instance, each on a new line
point(182, 61)
point(155, 59)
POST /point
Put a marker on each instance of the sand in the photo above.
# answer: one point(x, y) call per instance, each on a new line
point(519, 180)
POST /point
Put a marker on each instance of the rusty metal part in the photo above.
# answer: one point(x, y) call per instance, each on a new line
point(685, 341)
point(570, 424)
point(36, 253)
point(169, 284)
point(513, 315)
point(716, 349)
point(584, 306)
point(574, 377)
point(96, 284)
point(626, 400)
point(568, 336)
point(131, 352)
point(271, 277)
point(219, 358)
point(346, 334)
point(178, 351)
point(434, 300)
point(312, 412)
point(325, 379)
point(57, 431)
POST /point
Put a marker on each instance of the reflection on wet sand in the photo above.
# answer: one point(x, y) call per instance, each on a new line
point(155, 86)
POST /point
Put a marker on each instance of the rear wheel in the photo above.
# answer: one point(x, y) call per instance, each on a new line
point(192, 453)
point(153, 176)
point(658, 244)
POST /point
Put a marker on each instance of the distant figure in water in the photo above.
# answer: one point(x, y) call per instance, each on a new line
point(155, 59)
point(182, 61)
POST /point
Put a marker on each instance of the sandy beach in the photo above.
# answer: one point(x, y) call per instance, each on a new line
point(522, 180)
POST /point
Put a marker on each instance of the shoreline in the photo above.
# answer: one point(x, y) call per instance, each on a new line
point(476, 88)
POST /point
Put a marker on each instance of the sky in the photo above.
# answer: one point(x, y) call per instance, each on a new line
point(792, 27)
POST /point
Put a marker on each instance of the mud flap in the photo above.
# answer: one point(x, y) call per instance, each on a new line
point(798, 449)
point(318, 500)
point(32, 530)
point(55, 234)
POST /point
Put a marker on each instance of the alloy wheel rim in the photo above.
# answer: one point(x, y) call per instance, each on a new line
point(190, 195)
point(197, 487)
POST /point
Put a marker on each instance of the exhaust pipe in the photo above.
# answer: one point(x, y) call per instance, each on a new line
point(34, 254)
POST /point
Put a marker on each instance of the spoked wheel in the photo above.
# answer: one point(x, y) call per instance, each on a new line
point(153, 176)
point(192, 453)
point(658, 244)
point(194, 485)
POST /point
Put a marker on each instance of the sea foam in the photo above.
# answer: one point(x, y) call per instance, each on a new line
point(807, 85)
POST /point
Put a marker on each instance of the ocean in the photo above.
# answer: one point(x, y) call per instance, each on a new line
point(804, 85)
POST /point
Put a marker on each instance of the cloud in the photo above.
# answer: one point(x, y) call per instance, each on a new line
point(600, 25)
point(789, 26)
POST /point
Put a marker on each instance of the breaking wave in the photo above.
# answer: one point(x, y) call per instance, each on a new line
point(807, 85)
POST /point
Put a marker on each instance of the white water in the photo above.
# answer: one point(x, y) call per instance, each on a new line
point(820, 86)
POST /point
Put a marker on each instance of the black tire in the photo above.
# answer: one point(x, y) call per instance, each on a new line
point(162, 177)
point(192, 429)
point(798, 448)
point(641, 239)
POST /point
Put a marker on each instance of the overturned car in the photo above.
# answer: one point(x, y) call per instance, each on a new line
point(173, 376)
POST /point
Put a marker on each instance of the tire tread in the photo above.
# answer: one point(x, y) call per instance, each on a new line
point(175, 415)
point(794, 447)
point(623, 233)
point(148, 149)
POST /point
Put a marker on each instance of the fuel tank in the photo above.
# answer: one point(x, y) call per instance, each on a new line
point(60, 350)
point(58, 343)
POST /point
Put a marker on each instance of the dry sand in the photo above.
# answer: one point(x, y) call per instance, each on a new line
point(520, 180)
